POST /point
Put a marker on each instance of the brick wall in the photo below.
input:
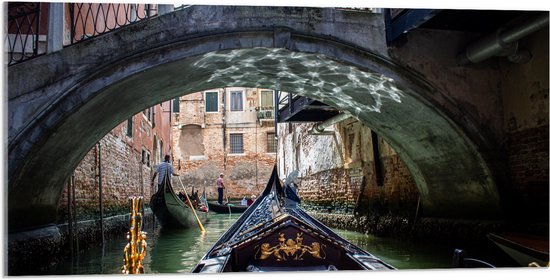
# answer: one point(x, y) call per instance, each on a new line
point(525, 90)
point(124, 173)
point(201, 162)
point(332, 169)
point(528, 163)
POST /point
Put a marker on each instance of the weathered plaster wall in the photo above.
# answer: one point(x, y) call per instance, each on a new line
point(332, 169)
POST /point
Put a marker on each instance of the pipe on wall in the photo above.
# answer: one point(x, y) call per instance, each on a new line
point(319, 128)
point(504, 42)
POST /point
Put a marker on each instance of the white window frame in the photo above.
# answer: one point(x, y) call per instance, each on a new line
point(231, 100)
point(272, 98)
point(217, 100)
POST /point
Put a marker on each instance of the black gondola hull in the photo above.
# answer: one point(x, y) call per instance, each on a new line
point(226, 209)
point(274, 234)
point(171, 212)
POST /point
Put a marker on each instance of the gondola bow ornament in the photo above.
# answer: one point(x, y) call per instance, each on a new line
point(290, 248)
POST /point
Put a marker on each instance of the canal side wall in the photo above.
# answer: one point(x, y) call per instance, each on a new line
point(337, 172)
point(35, 252)
point(454, 232)
point(125, 159)
point(509, 100)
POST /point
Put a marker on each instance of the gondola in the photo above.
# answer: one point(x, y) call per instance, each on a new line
point(226, 208)
point(275, 234)
point(524, 249)
point(171, 211)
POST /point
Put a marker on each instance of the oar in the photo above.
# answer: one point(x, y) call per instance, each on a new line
point(227, 202)
point(191, 206)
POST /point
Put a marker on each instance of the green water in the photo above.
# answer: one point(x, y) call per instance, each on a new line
point(178, 251)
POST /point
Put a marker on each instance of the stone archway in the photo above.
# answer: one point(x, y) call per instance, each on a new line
point(452, 175)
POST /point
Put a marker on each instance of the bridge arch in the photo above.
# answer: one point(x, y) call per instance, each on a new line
point(443, 151)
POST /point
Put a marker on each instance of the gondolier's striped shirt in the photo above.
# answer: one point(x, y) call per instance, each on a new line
point(162, 169)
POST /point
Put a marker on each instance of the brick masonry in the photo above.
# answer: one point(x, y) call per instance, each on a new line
point(199, 151)
point(126, 162)
point(528, 164)
point(348, 157)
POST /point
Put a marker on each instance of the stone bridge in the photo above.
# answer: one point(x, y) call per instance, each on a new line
point(62, 103)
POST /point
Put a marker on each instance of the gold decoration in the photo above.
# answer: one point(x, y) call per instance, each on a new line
point(288, 248)
point(135, 250)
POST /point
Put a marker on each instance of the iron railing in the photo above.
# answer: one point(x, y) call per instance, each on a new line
point(22, 38)
point(91, 19)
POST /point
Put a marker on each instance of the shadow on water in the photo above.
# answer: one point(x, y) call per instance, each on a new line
point(179, 250)
point(407, 254)
point(168, 250)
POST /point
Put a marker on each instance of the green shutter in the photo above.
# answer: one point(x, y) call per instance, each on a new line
point(211, 99)
point(176, 105)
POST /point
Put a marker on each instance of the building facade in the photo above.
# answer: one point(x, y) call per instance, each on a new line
point(119, 166)
point(347, 170)
point(225, 130)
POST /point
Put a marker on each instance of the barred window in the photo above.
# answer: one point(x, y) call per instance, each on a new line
point(237, 100)
point(211, 100)
point(271, 143)
point(236, 143)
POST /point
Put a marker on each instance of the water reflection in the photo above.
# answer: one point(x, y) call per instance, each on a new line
point(179, 250)
point(399, 253)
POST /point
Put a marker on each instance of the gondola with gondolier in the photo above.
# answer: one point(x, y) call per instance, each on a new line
point(171, 211)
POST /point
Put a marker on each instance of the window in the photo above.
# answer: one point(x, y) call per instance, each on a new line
point(211, 100)
point(266, 99)
point(236, 100)
point(147, 114)
point(145, 157)
point(271, 143)
point(176, 105)
point(130, 127)
point(236, 143)
point(152, 117)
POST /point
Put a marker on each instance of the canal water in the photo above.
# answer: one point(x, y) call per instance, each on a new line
point(178, 251)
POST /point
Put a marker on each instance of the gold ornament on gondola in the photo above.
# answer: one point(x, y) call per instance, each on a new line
point(290, 249)
point(135, 250)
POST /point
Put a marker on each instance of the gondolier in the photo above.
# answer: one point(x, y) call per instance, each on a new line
point(163, 169)
point(221, 186)
point(169, 209)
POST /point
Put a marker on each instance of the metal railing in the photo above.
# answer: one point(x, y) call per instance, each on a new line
point(266, 113)
point(22, 38)
point(91, 19)
point(27, 30)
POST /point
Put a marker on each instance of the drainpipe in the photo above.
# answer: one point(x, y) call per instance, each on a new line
point(319, 128)
point(504, 42)
point(224, 131)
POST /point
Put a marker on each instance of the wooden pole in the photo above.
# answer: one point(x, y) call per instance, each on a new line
point(191, 206)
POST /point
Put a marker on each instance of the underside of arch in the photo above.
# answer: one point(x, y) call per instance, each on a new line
point(452, 175)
